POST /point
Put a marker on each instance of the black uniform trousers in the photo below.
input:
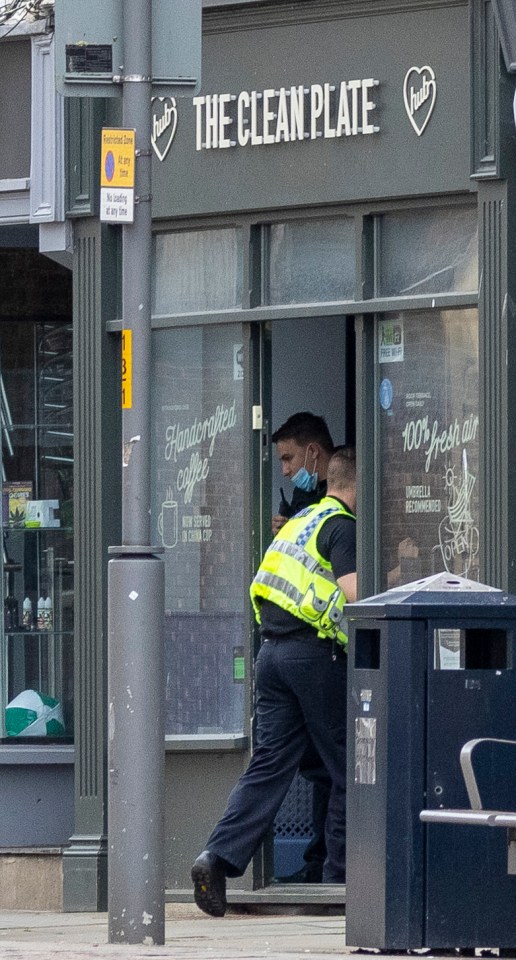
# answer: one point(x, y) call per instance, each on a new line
point(300, 695)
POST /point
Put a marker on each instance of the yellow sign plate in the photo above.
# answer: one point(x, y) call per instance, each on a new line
point(127, 369)
point(117, 158)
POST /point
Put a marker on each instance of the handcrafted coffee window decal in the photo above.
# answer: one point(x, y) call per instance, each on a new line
point(429, 445)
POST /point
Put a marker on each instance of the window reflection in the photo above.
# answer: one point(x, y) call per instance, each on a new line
point(311, 261)
point(429, 252)
point(197, 495)
point(427, 370)
point(197, 270)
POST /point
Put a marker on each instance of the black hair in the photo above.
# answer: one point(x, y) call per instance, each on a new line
point(305, 428)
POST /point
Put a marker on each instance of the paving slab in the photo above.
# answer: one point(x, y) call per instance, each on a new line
point(189, 935)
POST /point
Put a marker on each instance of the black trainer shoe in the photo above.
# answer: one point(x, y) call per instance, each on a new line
point(209, 878)
point(310, 873)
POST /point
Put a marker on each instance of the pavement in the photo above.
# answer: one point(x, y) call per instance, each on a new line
point(189, 935)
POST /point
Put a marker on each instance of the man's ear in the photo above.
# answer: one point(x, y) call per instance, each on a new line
point(314, 449)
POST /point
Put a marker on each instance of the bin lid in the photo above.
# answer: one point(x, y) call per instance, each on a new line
point(455, 595)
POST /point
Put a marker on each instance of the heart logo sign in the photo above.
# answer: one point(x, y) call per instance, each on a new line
point(419, 94)
point(164, 123)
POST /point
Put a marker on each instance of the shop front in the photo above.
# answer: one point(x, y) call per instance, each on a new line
point(36, 631)
point(326, 211)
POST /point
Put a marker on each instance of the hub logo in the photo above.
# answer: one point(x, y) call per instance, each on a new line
point(164, 124)
point(419, 94)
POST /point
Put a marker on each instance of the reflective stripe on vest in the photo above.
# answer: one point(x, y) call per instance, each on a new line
point(295, 576)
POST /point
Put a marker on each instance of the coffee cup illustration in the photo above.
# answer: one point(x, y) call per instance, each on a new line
point(167, 521)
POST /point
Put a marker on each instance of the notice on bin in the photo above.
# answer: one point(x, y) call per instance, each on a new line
point(449, 648)
point(117, 175)
point(365, 750)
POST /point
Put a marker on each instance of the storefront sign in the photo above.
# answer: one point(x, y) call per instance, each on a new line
point(304, 114)
point(297, 113)
point(256, 118)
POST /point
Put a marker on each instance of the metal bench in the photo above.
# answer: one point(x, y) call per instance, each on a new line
point(476, 815)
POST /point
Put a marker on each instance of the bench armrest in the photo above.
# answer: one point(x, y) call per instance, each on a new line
point(483, 818)
point(466, 762)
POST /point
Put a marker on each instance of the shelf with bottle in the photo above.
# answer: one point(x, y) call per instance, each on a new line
point(11, 529)
point(27, 634)
point(41, 620)
point(38, 592)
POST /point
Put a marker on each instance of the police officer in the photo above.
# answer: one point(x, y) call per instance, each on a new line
point(304, 446)
point(299, 596)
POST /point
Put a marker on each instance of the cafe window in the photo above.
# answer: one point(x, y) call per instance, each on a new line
point(428, 252)
point(428, 445)
point(311, 261)
point(197, 270)
point(198, 518)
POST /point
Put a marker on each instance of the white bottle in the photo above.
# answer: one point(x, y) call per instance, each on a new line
point(49, 614)
point(41, 613)
point(27, 613)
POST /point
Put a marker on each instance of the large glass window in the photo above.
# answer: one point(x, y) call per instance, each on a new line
point(311, 261)
point(427, 379)
point(197, 515)
point(428, 252)
point(197, 270)
point(36, 640)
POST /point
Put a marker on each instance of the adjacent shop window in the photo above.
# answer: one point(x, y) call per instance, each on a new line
point(427, 401)
point(311, 261)
point(36, 640)
point(428, 252)
point(196, 270)
point(198, 517)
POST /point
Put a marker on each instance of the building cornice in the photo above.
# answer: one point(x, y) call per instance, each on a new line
point(250, 15)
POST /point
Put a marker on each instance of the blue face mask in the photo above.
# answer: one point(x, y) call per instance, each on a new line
point(304, 480)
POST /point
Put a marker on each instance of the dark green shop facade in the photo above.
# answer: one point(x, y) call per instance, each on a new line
point(334, 223)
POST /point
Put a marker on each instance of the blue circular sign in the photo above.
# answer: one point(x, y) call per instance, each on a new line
point(109, 165)
point(386, 394)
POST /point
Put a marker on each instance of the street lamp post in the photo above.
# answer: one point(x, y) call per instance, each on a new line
point(136, 787)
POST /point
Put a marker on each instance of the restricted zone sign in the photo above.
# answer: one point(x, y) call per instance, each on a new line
point(117, 175)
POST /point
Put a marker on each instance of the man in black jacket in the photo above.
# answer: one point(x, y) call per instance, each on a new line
point(299, 595)
point(304, 447)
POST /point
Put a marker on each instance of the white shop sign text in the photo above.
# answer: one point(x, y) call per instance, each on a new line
point(255, 118)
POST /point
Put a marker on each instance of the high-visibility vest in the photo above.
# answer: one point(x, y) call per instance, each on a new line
point(295, 576)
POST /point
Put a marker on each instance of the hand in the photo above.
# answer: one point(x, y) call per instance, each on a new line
point(277, 522)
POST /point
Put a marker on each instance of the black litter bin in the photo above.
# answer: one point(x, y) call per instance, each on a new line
point(431, 665)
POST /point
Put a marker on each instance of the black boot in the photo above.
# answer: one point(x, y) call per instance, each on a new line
point(209, 878)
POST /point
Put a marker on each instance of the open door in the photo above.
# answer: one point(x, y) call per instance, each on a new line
point(312, 369)
point(209, 452)
point(219, 392)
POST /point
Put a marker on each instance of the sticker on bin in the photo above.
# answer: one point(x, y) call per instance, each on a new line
point(365, 750)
